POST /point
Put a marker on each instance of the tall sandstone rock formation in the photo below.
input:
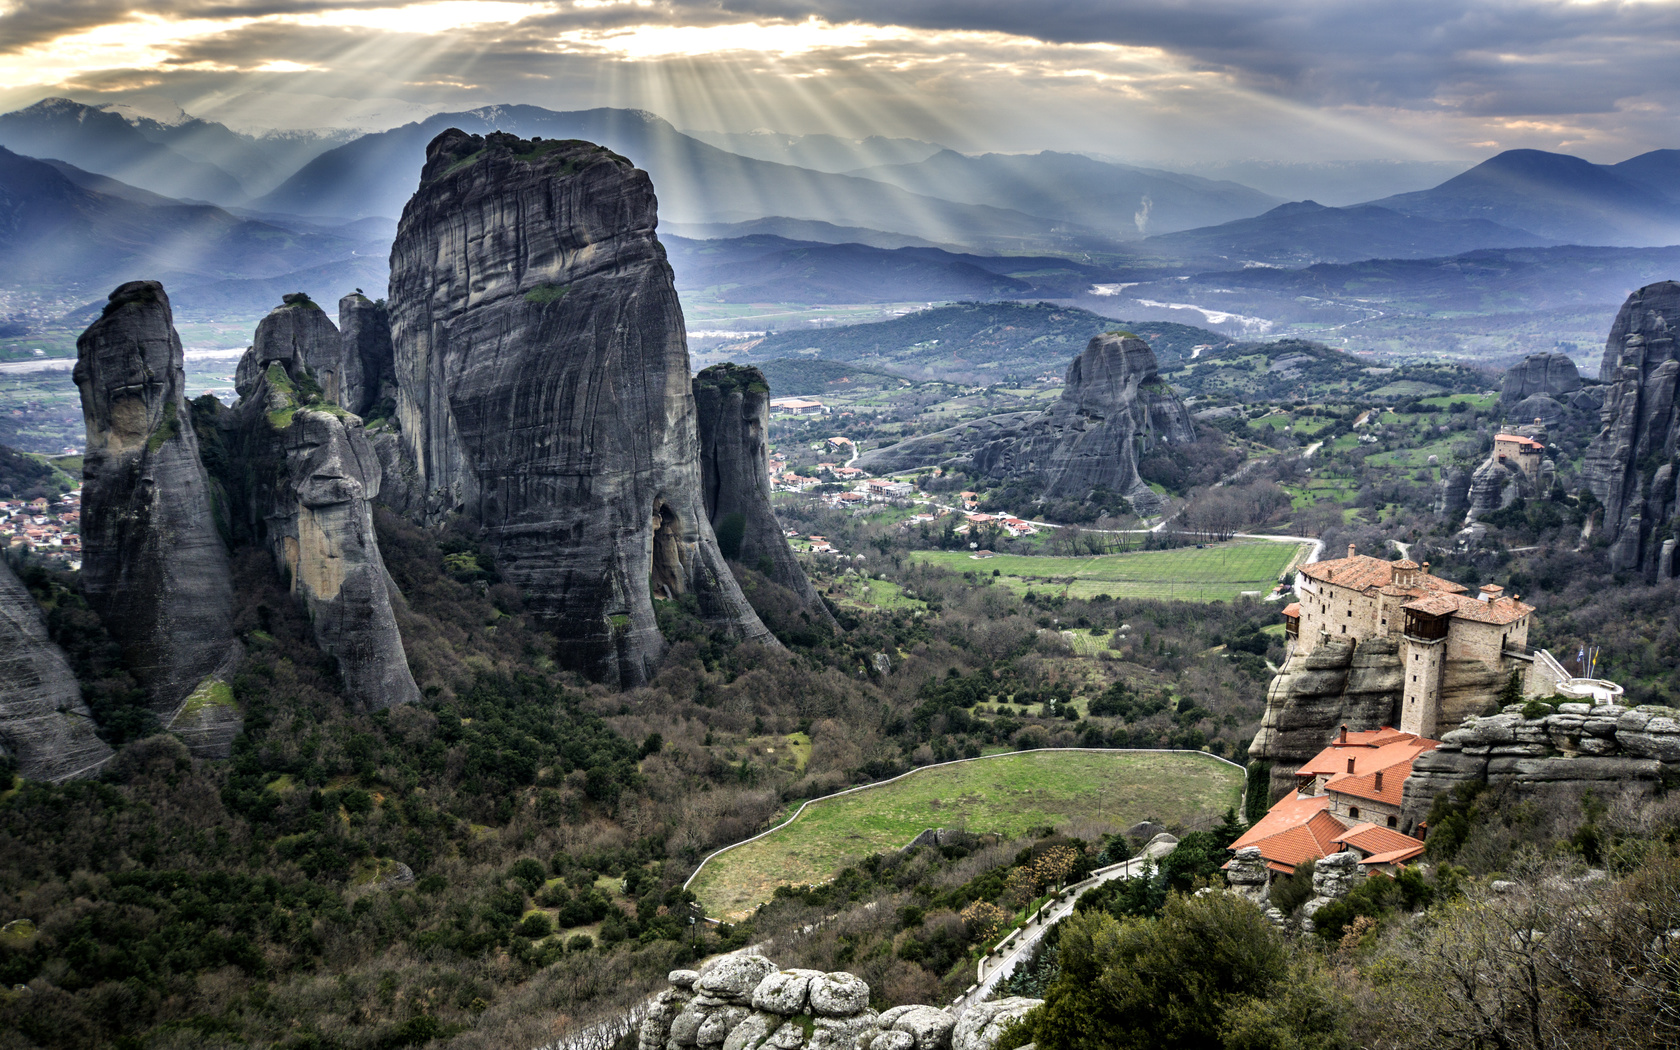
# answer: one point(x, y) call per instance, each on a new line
point(304, 484)
point(368, 359)
point(1630, 466)
point(43, 722)
point(732, 403)
point(543, 391)
point(154, 567)
point(1114, 408)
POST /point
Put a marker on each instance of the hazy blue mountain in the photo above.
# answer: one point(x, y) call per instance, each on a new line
point(1332, 182)
point(1305, 232)
point(792, 229)
point(1658, 170)
point(106, 144)
point(829, 153)
point(55, 233)
point(979, 342)
point(1121, 201)
point(772, 269)
point(697, 183)
point(1555, 196)
point(260, 163)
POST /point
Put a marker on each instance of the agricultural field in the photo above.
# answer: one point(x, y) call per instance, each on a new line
point(1005, 794)
point(1217, 572)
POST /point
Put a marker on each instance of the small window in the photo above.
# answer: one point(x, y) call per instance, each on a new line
point(1414, 678)
point(1353, 811)
point(1344, 628)
point(1393, 822)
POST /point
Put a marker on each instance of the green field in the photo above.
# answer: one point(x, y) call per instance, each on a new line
point(1008, 795)
point(1218, 572)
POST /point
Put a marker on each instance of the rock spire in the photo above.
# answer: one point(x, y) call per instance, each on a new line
point(154, 567)
point(543, 391)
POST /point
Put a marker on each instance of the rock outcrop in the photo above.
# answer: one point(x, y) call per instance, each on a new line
point(1630, 466)
point(743, 1002)
point(44, 724)
point(1497, 484)
point(732, 405)
point(543, 391)
point(1360, 686)
point(1113, 409)
point(1550, 375)
point(1334, 877)
point(1612, 750)
point(154, 567)
point(298, 335)
point(306, 481)
point(369, 385)
point(1452, 494)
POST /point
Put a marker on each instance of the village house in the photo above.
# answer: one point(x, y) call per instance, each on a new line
point(1346, 798)
point(1435, 622)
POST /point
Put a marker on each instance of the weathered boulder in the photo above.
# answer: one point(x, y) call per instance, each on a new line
point(1248, 875)
point(841, 1033)
point(1335, 876)
point(893, 1040)
point(154, 567)
point(305, 480)
point(1114, 408)
point(982, 1024)
point(368, 367)
point(784, 992)
point(1549, 374)
point(1629, 465)
point(543, 391)
point(44, 723)
point(655, 1030)
point(718, 1023)
point(732, 409)
point(838, 995)
point(734, 978)
point(928, 1027)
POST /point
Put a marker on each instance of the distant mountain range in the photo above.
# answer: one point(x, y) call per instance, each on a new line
point(1125, 203)
point(191, 159)
point(819, 152)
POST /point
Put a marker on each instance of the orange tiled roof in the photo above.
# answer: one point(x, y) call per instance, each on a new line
point(1500, 611)
point(1393, 761)
point(1375, 840)
point(1292, 609)
point(1370, 750)
point(1363, 572)
point(1395, 856)
point(1294, 830)
point(1519, 439)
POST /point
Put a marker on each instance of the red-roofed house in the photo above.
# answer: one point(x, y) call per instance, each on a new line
point(1347, 797)
point(1522, 452)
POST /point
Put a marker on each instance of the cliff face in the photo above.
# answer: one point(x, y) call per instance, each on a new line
point(297, 334)
point(1360, 686)
point(732, 406)
point(1551, 375)
point(307, 476)
point(543, 390)
point(1113, 408)
point(154, 567)
point(43, 722)
point(1630, 465)
point(1611, 750)
point(368, 358)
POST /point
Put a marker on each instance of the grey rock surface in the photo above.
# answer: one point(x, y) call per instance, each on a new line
point(44, 723)
point(732, 409)
point(1248, 875)
point(982, 1024)
point(1452, 493)
point(1496, 485)
point(1628, 466)
point(154, 567)
point(543, 391)
point(305, 486)
point(838, 995)
point(734, 978)
point(784, 992)
point(1114, 408)
point(1549, 374)
point(297, 335)
point(368, 360)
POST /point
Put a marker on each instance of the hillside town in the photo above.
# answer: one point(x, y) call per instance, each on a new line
point(49, 529)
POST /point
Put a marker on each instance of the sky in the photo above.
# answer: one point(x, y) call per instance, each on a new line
point(1155, 81)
